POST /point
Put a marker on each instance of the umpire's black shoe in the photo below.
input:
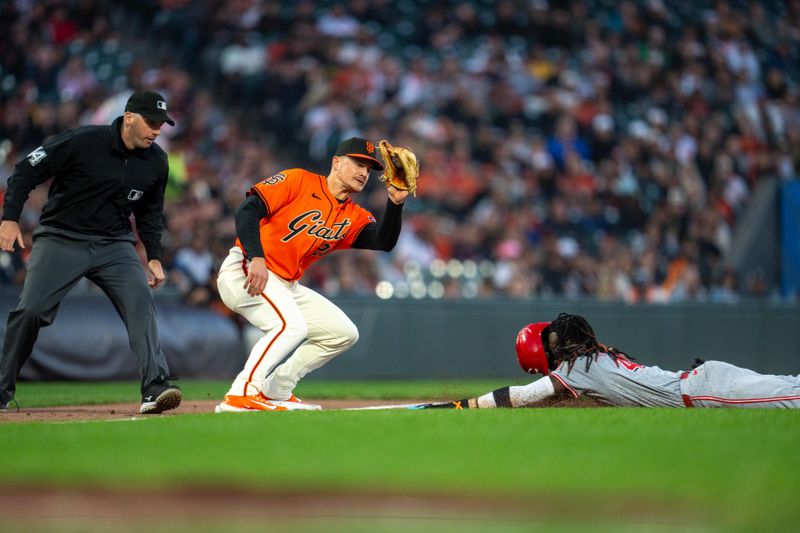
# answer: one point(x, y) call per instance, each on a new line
point(5, 406)
point(158, 402)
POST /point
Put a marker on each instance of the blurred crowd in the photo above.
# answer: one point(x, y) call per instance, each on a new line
point(569, 149)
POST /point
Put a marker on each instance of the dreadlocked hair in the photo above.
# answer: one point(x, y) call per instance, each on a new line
point(575, 338)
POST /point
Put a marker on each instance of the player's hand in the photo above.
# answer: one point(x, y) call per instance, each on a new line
point(257, 275)
point(396, 195)
point(10, 234)
point(155, 276)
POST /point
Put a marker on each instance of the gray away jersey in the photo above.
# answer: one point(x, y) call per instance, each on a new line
point(621, 382)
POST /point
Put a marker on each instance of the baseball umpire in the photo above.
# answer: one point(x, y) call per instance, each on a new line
point(575, 363)
point(287, 222)
point(101, 175)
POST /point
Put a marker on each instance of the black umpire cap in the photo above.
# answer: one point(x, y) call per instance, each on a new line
point(360, 149)
point(150, 105)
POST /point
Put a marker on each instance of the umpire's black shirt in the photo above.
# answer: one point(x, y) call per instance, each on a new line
point(97, 184)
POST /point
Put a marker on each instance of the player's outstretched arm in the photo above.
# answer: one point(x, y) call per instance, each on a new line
point(514, 396)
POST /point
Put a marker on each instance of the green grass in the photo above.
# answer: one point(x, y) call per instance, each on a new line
point(727, 469)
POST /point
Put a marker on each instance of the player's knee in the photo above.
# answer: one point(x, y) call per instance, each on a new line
point(349, 335)
point(29, 314)
point(337, 337)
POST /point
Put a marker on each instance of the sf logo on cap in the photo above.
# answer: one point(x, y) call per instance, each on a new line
point(370, 147)
point(161, 104)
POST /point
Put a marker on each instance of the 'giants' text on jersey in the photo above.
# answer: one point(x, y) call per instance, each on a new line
point(311, 223)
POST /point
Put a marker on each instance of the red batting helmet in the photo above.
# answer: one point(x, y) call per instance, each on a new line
point(531, 352)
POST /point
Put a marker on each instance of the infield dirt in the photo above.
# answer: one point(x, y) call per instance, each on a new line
point(127, 411)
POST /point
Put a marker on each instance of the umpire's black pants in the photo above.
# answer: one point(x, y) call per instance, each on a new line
point(57, 263)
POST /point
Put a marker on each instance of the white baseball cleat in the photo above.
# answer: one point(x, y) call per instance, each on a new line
point(293, 404)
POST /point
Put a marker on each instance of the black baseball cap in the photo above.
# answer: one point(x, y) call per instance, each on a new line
point(360, 149)
point(150, 105)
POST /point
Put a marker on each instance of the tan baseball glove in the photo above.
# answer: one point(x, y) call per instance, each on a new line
point(401, 168)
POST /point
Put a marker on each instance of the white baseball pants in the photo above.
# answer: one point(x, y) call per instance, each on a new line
point(297, 322)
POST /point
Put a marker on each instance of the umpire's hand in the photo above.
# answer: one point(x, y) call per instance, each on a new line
point(9, 234)
point(156, 275)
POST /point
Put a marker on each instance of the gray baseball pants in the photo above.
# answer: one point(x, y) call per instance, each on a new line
point(56, 264)
point(719, 384)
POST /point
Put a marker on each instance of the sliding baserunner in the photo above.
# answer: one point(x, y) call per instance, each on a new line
point(574, 363)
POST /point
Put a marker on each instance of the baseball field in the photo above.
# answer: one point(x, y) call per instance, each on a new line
point(76, 457)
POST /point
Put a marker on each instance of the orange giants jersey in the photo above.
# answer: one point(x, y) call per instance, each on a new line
point(305, 222)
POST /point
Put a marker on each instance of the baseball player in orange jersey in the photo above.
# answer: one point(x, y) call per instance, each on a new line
point(287, 222)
